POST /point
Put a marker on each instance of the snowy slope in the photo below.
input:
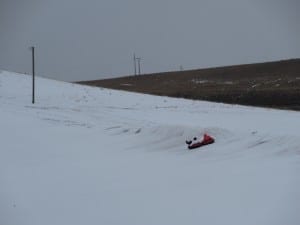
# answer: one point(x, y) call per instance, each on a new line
point(84, 155)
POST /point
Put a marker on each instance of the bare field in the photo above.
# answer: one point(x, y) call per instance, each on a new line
point(271, 84)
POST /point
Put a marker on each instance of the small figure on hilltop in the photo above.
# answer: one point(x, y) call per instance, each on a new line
point(195, 143)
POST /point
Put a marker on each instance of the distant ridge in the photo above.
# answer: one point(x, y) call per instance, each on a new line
point(269, 84)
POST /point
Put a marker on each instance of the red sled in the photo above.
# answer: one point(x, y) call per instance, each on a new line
point(205, 141)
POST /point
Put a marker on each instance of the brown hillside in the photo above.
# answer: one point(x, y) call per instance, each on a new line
point(271, 84)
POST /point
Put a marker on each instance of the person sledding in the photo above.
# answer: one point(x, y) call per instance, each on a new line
point(196, 143)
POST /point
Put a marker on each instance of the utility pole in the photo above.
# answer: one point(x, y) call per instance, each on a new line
point(139, 64)
point(33, 75)
point(134, 61)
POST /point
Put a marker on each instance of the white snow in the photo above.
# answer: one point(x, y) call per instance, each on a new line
point(84, 155)
point(126, 84)
point(196, 81)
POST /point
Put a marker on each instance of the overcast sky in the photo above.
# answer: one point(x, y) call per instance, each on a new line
point(95, 39)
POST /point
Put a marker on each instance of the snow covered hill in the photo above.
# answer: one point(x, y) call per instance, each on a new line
point(84, 155)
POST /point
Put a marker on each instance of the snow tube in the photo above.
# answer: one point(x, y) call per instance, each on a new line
point(205, 141)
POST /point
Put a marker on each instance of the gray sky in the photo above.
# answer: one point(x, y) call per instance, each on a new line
point(94, 39)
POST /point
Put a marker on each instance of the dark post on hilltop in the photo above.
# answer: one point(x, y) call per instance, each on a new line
point(139, 64)
point(33, 74)
point(134, 63)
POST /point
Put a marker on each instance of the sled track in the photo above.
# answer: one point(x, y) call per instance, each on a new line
point(228, 145)
point(163, 138)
